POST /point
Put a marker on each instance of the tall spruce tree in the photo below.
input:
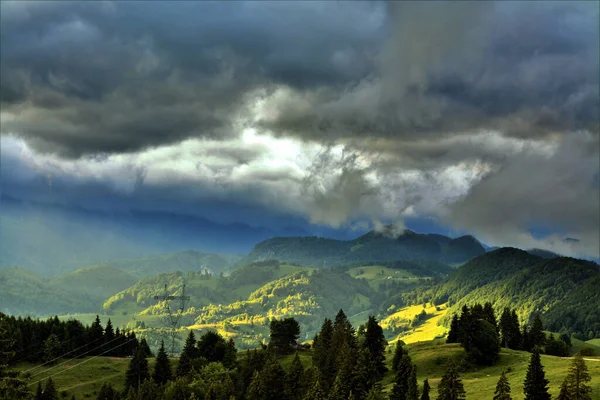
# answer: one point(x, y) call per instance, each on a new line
point(564, 391)
point(505, 327)
point(295, 380)
point(454, 328)
point(413, 386)
point(451, 386)
point(50, 392)
point(426, 390)
point(402, 379)
point(323, 358)
point(536, 384)
point(502, 388)
point(273, 379)
point(375, 393)
point(162, 368)
point(137, 372)
point(577, 380)
point(536, 334)
point(375, 343)
point(184, 366)
point(107, 392)
point(398, 353)
point(316, 391)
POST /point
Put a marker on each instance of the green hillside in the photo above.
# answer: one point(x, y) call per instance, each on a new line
point(97, 282)
point(25, 292)
point(563, 290)
point(85, 380)
point(373, 246)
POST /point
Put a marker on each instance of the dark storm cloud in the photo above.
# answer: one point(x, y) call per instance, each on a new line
point(111, 77)
point(526, 69)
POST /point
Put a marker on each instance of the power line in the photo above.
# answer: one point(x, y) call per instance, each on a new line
point(83, 362)
point(87, 352)
point(61, 356)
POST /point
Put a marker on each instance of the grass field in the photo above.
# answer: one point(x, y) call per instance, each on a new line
point(428, 330)
point(375, 275)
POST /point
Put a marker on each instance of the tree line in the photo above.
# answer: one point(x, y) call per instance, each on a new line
point(478, 331)
point(344, 364)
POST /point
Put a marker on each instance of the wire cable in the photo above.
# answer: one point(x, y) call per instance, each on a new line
point(83, 362)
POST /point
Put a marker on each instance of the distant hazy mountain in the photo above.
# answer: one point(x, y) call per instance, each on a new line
point(54, 240)
point(373, 246)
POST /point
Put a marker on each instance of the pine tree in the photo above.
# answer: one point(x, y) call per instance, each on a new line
point(577, 379)
point(316, 392)
point(398, 353)
point(536, 384)
point(294, 380)
point(256, 389)
point(273, 379)
point(375, 343)
point(39, 393)
point(426, 389)
point(162, 369)
point(515, 340)
point(50, 392)
point(137, 372)
point(323, 358)
point(107, 392)
point(453, 334)
point(145, 348)
point(402, 379)
point(506, 327)
point(375, 394)
point(184, 367)
point(564, 391)
point(413, 387)
point(502, 388)
point(451, 386)
point(489, 315)
point(537, 335)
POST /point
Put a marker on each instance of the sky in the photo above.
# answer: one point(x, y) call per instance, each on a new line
point(457, 117)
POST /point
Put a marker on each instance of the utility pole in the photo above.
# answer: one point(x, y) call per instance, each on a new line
point(172, 318)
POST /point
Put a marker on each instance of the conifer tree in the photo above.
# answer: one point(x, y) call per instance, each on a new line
point(375, 343)
point(506, 327)
point(364, 374)
point(398, 353)
point(537, 335)
point(402, 379)
point(502, 388)
point(137, 372)
point(39, 393)
point(426, 389)
point(577, 379)
point(453, 333)
point(375, 394)
point(451, 386)
point(184, 367)
point(256, 389)
point(316, 392)
point(145, 348)
point(564, 391)
point(162, 369)
point(109, 333)
point(413, 386)
point(515, 340)
point(536, 384)
point(294, 380)
point(273, 379)
point(489, 315)
point(50, 392)
point(107, 392)
point(323, 358)
point(339, 391)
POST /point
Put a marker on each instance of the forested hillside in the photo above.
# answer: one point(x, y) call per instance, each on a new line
point(373, 246)
point(563, 290)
